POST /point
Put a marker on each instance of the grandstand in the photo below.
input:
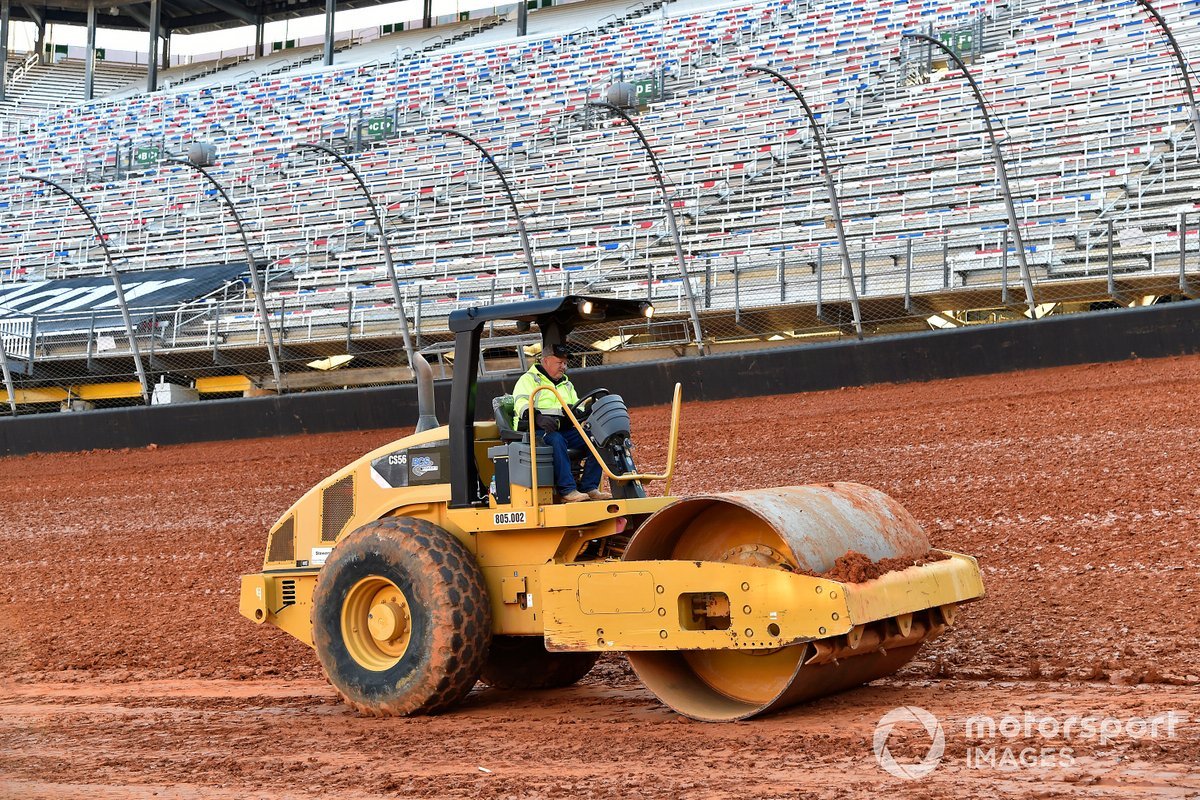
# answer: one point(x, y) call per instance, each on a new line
point(1094, 120)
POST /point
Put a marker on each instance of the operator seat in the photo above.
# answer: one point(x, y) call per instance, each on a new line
point(502, 410)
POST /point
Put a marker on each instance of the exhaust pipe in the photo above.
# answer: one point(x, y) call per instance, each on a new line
point(426, 417)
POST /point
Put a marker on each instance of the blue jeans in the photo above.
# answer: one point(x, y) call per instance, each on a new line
point(564, 481)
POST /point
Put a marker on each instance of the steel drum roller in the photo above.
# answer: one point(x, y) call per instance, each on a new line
point(797, 528)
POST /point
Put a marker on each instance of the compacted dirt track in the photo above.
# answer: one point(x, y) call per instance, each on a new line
point(125, 670)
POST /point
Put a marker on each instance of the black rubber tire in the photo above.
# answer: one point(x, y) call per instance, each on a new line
point(522, 662)
point(451, 623)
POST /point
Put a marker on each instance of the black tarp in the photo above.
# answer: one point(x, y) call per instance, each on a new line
point(78, 304)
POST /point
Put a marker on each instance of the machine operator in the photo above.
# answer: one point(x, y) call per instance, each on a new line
point(557, 431)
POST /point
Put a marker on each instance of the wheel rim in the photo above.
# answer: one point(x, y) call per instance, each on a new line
point(376, 623)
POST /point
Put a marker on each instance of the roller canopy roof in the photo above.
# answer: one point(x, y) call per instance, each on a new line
point(565, 312)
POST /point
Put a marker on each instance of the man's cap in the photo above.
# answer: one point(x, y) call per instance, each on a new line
point(559, 350)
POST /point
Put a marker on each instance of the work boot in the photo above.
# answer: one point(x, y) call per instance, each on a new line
point(596, 494)
point(574, 496)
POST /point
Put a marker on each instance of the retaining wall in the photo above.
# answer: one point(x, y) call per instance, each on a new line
point(1150, 332)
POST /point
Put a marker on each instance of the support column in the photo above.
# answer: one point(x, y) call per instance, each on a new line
point(41, 43)
point(256, 282)
point(835, 207)
point(522, 17)
point(526, 247)
point(672, 224)
point(166, 50)
point(89, 58)
point(414, 358)
point(330, 8)
point(258, 37)
point(997, 160)
point(1180, 61)
point(118, 288)
point(3, 46)
point(427, 14)
point(152, 53)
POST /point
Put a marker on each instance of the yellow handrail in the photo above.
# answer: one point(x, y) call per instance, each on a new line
point(632, 476)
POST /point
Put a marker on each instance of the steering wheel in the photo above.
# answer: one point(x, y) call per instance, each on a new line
point(584, 407)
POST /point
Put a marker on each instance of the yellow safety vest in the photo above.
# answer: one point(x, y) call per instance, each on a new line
point(546, 404)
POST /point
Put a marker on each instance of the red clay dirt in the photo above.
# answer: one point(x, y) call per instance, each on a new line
point(856, 567)
point(126, 672)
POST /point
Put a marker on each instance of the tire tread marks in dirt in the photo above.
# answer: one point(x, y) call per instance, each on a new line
point(522, 662)
point(451, 617)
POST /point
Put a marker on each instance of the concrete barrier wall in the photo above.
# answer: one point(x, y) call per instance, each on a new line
point(1150, 332)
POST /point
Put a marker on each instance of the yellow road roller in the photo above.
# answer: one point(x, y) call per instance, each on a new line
point(442, 559)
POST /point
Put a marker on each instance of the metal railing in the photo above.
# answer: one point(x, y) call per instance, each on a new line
point(940, 263)
point(23, 68)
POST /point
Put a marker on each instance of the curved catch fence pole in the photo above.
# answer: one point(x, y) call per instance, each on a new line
point(116, 279)
point(672, 224)
point(385, 245)
point(830, 191)
point(1001, 170)
point(1181, 62)
point(255, 279)
point(512, 202)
